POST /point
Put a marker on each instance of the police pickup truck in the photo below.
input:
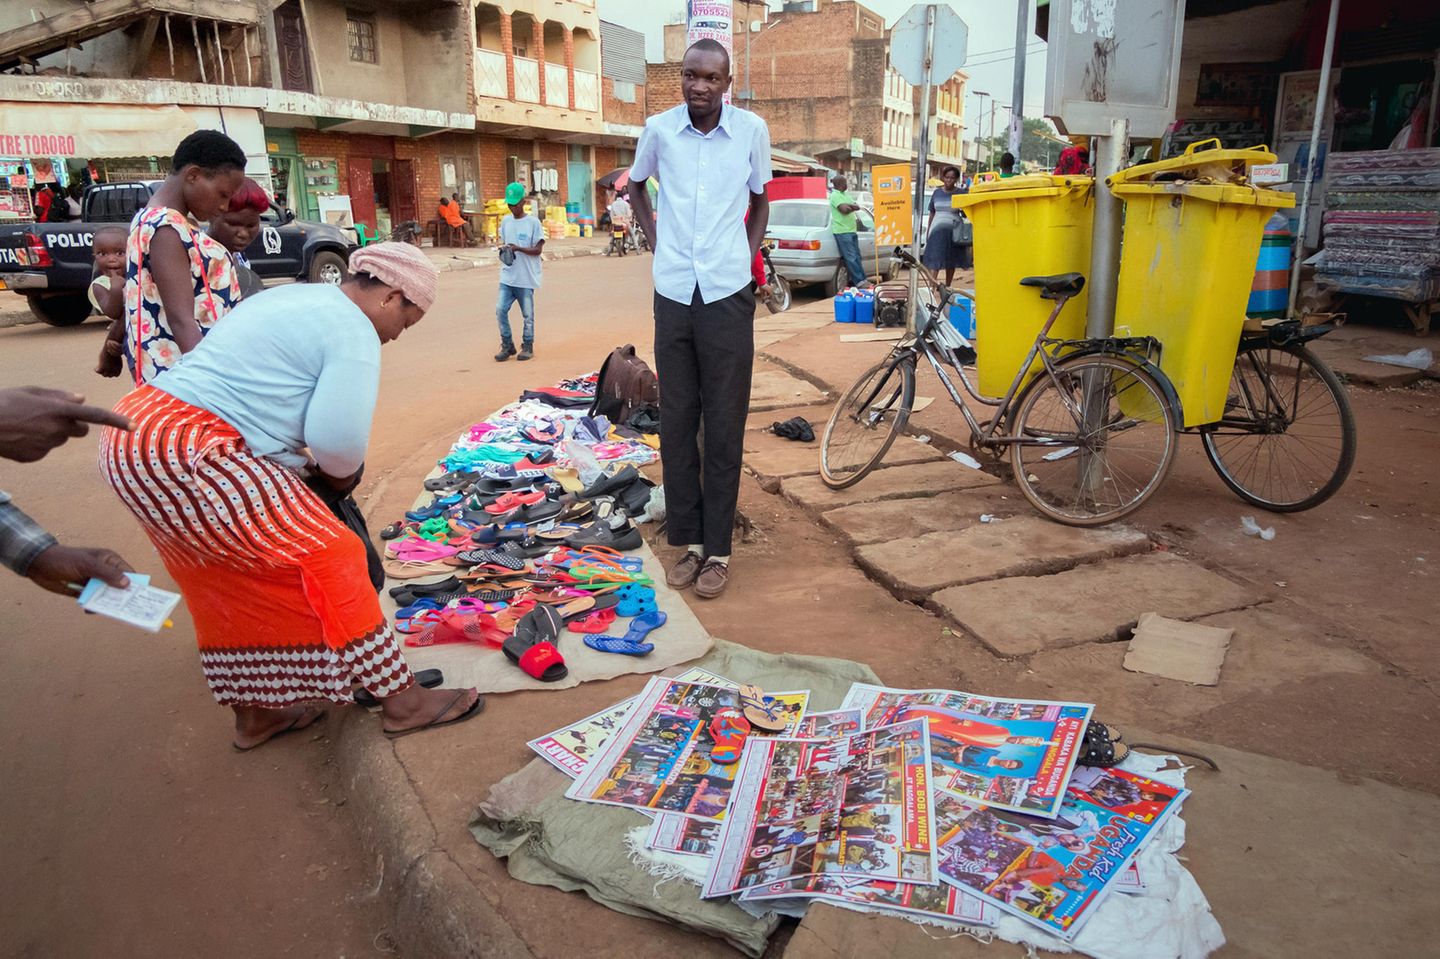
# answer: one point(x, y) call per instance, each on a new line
point(50, 264)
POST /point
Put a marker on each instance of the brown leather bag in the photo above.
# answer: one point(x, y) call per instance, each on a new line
point(626, 384)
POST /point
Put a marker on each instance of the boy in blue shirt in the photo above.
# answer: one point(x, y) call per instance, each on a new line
point(521, 238)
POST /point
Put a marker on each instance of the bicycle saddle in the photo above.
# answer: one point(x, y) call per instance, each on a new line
point(1061, 284)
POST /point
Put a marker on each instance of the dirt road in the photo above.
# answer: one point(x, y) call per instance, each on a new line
point(129, 824)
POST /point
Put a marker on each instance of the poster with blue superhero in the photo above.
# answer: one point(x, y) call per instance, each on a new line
point(1010, 754)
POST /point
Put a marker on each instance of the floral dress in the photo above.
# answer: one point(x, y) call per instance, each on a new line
point(150, 347)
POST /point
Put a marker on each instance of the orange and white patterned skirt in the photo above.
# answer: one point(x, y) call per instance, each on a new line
point(283, 607)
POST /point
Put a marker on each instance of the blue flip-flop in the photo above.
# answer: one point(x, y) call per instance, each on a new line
point(611, 644)
point(643, 625)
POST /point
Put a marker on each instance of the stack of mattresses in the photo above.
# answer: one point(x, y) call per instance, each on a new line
point(1382, 224)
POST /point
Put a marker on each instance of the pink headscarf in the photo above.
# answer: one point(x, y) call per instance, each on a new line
point(402, 266)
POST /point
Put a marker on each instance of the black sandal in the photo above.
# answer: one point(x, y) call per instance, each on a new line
point(1102, 746)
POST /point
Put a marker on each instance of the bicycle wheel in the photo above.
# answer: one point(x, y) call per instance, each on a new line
point(866, 421)
point(1087, 470)
point(1287, 439)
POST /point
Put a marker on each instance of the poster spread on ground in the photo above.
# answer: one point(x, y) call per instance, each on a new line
point(945, 902)
point(837, 722)
point(659, 758)
point(1053, 872)
point(1011, 754)
point(570, 749)
point(857, 806)
point(683, 834)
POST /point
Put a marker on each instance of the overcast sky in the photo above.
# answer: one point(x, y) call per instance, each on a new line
point(990, 60)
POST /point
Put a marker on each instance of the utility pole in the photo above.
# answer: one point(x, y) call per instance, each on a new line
point(980, 128)
point(922, 153)
point(1017, 99)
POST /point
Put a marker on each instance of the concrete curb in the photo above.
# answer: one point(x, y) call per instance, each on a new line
point(438, 911)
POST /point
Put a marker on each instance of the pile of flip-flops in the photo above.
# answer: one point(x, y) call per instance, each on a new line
point(729, 728)
point(512, 550)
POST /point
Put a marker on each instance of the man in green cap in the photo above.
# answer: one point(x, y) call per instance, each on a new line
point(521, 239)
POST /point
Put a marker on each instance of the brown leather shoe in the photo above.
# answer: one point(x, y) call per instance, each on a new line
point(685, 570)
point(713, 579)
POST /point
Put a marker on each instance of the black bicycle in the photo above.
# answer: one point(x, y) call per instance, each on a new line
point(1091, 424)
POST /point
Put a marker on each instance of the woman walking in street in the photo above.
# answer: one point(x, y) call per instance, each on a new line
point(941, 250)
point(178, 281)
point(285, 614)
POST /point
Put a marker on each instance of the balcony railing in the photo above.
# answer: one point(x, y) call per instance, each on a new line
point(557, 85)
point(490, 74)
point(527, 80)
point(587, 90)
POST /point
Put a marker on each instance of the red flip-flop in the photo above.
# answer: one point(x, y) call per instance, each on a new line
point(532, 648)
point(596, 621)
point(729, 728)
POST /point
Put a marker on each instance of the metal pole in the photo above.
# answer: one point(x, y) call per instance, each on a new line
point(922, 152)
point(1017, 98)
point(1322, 100)
point(749, 90)
point(1110, 155)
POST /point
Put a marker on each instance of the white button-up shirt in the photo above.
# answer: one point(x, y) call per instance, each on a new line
point(705, 182)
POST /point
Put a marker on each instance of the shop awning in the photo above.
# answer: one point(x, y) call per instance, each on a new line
point(91, 130)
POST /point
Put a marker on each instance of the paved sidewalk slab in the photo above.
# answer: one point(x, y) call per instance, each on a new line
point(1026, 614)
point(894, 482)
point(1022, 546)
point(817, 415)
point(798, 459)
point(776, 389)
point(866, 523)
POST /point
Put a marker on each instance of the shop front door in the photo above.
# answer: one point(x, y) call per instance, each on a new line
point(580, 183)
point(362, 191)
point(403, 204)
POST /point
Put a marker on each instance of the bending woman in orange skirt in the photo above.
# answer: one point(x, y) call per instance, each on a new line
point(284, 610)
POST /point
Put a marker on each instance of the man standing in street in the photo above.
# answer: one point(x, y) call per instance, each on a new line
point(842, 224)
point(712, 161)
point(522, 237)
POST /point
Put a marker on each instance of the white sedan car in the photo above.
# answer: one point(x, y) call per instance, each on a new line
point(803, 248)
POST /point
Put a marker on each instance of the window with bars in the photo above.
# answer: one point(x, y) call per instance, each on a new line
point(360, 32)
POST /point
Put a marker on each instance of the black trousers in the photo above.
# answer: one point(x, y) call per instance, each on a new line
point(703, 356)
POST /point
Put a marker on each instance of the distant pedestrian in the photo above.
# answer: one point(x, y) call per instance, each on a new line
point(44, 203)
point(522, 237)
point(943, 234)
point(1007, 165)
point(1074, 161)
point(714, 161)
point(842, 225)
point(451, 213)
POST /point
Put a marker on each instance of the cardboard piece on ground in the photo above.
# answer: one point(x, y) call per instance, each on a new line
point(920, 403)
point(1175, 649)
point(874, 336)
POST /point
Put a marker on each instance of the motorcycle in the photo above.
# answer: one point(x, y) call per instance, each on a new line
point(780, 293)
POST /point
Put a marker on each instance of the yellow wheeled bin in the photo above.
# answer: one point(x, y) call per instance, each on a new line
point(1024, 226)
point(1187, 260)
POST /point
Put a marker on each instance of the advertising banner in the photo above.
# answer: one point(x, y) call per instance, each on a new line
point(894, 223)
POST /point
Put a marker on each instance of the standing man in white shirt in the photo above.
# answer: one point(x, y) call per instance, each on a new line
point(522, 239)
point(712, 161)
